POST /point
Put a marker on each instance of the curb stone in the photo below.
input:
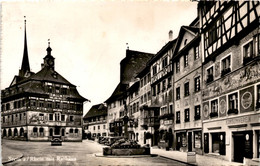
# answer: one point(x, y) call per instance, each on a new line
point(178, 160)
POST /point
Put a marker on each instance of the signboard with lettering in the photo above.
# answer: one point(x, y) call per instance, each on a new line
point(205, 110)
point(222, 106)
point(247, 99)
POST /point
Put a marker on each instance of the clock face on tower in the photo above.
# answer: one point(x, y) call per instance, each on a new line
point(50, 62)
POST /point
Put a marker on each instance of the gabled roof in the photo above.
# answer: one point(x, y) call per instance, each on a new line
point(165, 48)
point(118, 92)
point(96, 110)
point(190, 29)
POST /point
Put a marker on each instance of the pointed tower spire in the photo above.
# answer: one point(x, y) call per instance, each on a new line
point(25, 63)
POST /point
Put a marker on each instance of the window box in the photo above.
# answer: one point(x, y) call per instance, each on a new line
point(233, 111)
point(210, 78)
point(197, 117)
point(213, 114)
point(225, 71)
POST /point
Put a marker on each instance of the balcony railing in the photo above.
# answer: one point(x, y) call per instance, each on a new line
point(225, 71)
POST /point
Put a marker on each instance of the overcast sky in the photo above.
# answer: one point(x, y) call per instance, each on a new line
point(88, 38)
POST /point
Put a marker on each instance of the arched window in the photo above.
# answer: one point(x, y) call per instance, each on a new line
point(41, 131)
point(71, 130)
point(50, 132)
point(35, 131)
point(21, 132)
point(15, 132)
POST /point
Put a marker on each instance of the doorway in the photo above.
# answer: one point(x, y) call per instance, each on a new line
point(189, 141)
point(243, 145)
point(57, 130)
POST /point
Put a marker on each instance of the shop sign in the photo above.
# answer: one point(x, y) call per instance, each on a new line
point(239, 120)
point(247, 99)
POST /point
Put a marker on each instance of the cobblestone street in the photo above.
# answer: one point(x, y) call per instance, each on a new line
point(71, 153)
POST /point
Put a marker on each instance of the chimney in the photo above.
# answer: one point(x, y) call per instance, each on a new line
point(170, 35)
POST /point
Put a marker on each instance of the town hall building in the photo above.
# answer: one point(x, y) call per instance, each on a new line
point(37, 106)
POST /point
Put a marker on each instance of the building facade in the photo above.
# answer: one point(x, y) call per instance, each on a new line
point(130, 66)
point(37, 106)
point(230, 95)
point(95, 122)
point(187, 81)
point(161, 109)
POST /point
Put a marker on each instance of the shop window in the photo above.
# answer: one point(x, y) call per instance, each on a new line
point(233, 103)
point(51, 117)
point(187, 115)
point(197, 84)
point(196, 52)
point(178, 93)
point(210, 74)
point(186, 89)
point(226, 65)
point(258, 96)
point(178, 117)
point(214, 108)
point(197, 112)
point(218, 143)
point(186, 63)
point(178, 65)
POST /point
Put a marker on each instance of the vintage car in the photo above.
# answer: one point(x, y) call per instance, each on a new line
point(56, 140)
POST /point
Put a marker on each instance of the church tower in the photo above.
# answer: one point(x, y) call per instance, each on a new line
point(25, 68)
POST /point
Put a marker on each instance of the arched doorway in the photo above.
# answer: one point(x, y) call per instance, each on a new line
point(41, 131)
point(4, 133)
point(9, 133)
point(51, 132)
point(35, 131)
point(15, 132)
point(21, 132)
